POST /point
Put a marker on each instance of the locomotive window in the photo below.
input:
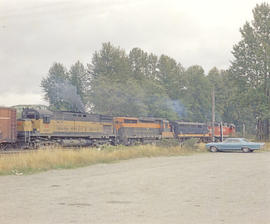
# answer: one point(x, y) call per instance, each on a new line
point(145, 121)
point(84, 115)
point(79, 115)
point(46, 120)
point(31, 116)
point(74, 115)
point(130, 121)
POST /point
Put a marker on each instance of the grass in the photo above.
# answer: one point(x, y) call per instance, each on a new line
point(59, 158)
point(266, 147)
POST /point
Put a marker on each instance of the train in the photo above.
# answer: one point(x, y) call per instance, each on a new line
point(41, 127)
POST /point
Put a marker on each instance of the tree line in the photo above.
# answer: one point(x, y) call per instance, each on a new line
point(139, 83)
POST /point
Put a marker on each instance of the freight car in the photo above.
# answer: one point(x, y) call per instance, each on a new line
point(8, 129)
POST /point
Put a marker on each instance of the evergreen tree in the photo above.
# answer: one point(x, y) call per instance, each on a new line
point(250, 70)
point(113, 89)
point(197, 94)
point(59, 91)
point(57, 74)
point(127, 85)
point(170, 75)
point(111, 62)
point(80, 78)
point(138, 62)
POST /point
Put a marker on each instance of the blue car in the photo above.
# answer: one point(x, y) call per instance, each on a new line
point(231, 144)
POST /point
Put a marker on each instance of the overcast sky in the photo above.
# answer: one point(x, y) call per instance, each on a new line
point(36, 33)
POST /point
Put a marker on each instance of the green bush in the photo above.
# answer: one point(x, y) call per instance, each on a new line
point(168, 143)
point(190, 143)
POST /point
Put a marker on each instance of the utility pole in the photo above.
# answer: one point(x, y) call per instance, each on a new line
point(213, 114)
point(221, 131)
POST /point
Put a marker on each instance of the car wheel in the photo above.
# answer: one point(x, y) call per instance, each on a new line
point(213, 149)
point(245, 149)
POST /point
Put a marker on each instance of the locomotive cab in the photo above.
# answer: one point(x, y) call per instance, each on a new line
point(34, 122)
point(33, 114)
point(166, 129)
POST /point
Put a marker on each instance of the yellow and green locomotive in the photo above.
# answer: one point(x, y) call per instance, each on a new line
point(43, 127)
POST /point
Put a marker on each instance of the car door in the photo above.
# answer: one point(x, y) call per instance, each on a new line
point(234, 144)
point(231, 144)
point(226, 145)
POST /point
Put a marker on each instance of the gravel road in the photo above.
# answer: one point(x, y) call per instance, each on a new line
point(201, 188)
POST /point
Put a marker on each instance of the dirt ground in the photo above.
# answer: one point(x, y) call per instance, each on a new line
point(201, 188)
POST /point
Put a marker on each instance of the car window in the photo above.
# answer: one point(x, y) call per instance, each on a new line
point(236, 140)
point(229, 140)
point(245, 140)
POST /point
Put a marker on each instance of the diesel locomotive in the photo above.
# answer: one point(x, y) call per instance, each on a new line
point(38, 127)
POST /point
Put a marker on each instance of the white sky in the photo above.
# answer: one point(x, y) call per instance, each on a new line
point(35, 33)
